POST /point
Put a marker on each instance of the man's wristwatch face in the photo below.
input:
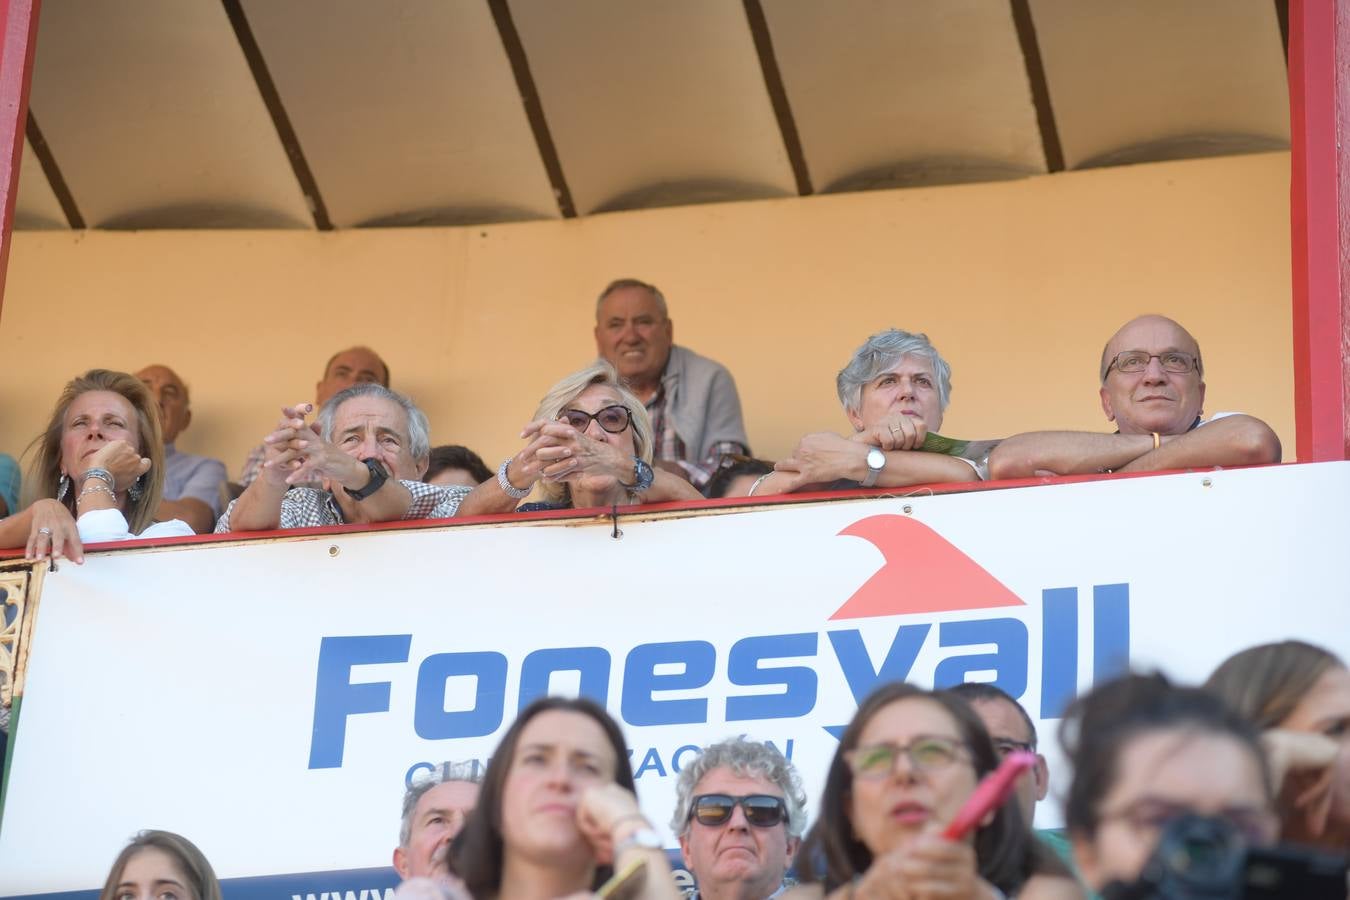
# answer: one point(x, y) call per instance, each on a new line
point(876, 461)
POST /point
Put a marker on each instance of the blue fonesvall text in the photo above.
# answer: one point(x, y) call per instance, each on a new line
point(646, 672)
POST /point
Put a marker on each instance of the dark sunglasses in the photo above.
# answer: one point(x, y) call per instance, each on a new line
point(761, 810)
point(613, 419)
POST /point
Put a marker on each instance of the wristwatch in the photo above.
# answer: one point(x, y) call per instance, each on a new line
point(642, 476)
point(378, 476)
point(876, 461)
point(645, 838)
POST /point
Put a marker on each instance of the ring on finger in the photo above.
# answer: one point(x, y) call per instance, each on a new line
point(45, 530)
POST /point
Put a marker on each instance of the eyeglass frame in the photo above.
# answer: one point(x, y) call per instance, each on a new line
point(1195, 365)
point(1013, 746)
point(595, 417)
point(960, 750)
point(780, 804)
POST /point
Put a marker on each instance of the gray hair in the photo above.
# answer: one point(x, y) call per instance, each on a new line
point(883, 351)
point(745, 759)
point(470, 771)
point(419, 429)
point(619, 284)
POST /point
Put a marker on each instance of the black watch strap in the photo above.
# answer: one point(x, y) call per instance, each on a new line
point(378, 476)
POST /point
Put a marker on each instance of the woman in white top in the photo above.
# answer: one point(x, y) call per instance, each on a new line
point(97, 472)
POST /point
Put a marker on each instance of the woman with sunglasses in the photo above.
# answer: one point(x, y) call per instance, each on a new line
point(590, 444)
point(558, 815)
point(905, 766)
point(1144, 753)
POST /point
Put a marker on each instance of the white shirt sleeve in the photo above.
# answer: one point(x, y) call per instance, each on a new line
point(100, 525)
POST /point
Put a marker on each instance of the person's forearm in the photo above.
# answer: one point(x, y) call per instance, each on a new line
point(1229, 441)
point(387, 504)
point(200, 516)
point(258, 507)
point(1065, 453)
point(667, 486)
point(908, 467)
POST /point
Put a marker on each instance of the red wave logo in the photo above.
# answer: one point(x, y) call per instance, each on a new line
point(923, 573)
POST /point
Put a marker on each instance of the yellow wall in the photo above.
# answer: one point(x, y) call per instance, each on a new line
point(1017, 283)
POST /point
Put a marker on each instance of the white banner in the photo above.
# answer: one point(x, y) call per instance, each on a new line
point(269, 698)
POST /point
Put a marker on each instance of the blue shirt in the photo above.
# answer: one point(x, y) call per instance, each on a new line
point(198, 477)
point(9, 483)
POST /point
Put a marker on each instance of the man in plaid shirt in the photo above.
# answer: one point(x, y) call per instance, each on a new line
point(692, 400)
point(370, 454)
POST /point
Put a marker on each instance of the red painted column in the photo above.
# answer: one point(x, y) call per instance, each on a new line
point(1319, 108)
point(18, 39)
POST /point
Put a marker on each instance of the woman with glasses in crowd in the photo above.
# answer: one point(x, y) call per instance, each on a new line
point(161, 865)
point(590, 445)
point(97, 472)
point(1298, 696)
point(1144, 753)
point(905, 765)
point(557, 814)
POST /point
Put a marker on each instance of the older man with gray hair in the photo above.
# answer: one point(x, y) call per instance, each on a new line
point(894, 391)
point(739, 812)
point(370, 454)
point(434, 808)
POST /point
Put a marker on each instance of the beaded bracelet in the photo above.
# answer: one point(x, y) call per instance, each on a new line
point(96, 489)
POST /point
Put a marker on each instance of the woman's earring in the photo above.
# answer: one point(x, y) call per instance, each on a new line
point(63, 486)
point(135, 490)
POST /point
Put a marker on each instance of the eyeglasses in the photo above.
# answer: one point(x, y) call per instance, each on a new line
point(1004, 746)
point(613, 419)
point(1133, 361)
point(1152, 815)
point(761, 810)
point(928, 753)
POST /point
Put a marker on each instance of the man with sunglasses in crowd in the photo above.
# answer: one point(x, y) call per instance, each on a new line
point(739, 813)
point(1153, 389)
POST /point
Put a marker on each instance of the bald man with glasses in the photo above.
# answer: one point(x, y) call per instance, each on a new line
point(1153, 389)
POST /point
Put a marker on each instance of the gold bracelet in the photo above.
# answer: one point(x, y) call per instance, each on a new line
point(1157, 440)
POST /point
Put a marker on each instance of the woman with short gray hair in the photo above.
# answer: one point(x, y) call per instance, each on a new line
point(894, 391)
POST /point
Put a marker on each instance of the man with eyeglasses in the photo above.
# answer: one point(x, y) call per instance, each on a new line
point(1153, 388)
point(739, 814)
point(1010, 727)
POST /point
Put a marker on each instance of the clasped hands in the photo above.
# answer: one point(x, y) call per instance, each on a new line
point(557, 452)
point(294, 454)
point(823, 457)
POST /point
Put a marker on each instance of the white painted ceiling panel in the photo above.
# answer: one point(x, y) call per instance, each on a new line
point(654, 104)
point(152, 114)
point(1157, 79)
point(35, 205)
point(408, 113)
point(887, 94)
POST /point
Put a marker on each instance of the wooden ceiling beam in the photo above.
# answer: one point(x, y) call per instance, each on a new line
point(534, 107)
point(1040, 88)
point(290, 141)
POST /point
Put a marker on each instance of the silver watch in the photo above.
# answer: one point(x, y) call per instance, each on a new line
point(876, 461)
